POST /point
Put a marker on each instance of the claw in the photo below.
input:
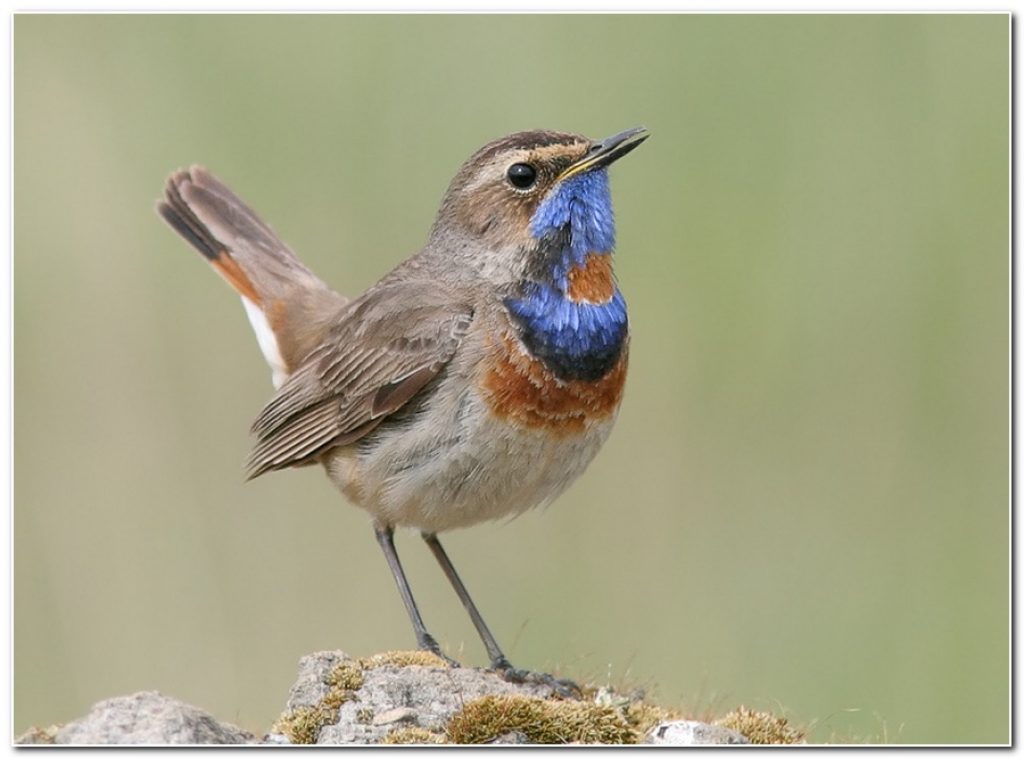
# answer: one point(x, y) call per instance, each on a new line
point(564, 688)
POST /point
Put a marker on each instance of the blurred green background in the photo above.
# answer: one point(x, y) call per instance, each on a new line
point(805, 503)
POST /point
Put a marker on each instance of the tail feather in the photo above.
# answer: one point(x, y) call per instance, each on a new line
point(176, 213)
point(220, 225)
point(286, 302)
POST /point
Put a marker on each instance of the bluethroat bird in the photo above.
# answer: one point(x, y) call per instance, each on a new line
point(476, 380)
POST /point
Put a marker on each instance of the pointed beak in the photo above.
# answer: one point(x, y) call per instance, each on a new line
point(607, 151)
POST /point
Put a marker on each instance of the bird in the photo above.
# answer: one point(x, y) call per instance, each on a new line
point(475, 381)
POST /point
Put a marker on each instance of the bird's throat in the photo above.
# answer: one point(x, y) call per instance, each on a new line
point(572, 318)
point(574, 339)
point(570, 313)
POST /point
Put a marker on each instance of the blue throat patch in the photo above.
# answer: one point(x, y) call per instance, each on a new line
point(576, 340)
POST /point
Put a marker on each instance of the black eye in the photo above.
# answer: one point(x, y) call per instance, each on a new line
point(522, 175)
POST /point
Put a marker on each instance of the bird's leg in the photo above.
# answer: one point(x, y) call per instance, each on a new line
point(499, 662)
point(386, 539)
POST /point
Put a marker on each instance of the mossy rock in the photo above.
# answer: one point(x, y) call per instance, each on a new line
point(413, 735)
point(302, 725)
point(601, 716)
point(761, 727)
point(404, 658)
point(541, 721)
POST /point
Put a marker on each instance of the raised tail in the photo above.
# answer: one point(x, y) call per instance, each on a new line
point(288, 305)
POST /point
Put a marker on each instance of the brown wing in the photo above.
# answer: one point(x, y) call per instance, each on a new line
point(383, 350)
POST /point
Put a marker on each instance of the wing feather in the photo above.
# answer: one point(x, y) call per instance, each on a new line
point(383, 349)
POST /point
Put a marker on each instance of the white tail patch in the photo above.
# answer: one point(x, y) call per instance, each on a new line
point(268, 342)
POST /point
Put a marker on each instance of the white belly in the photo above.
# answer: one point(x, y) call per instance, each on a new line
point(456, 465)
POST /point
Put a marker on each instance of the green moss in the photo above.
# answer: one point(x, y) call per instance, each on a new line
point(347, 675)
point(302, 725)
point(541, 721)
point(761, 728)
point(404, 658)
point(643, 717)
point(413, 735)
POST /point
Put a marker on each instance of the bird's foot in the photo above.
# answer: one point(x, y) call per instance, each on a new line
point(564, 688)
point(428, 643)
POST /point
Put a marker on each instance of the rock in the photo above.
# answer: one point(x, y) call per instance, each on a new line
point(339, 700)
point(511, 738)
point(693, 733)
point(417, 698)
point(276, 739)
point(149, 718)
point(395, 715)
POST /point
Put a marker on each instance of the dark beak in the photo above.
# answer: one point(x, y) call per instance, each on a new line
point(607, 151)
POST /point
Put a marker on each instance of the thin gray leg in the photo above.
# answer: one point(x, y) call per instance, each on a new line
point(498, 659)
point(499, 662)
point(386, 539)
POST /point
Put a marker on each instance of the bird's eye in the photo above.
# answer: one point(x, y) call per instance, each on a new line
point(522, 175)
